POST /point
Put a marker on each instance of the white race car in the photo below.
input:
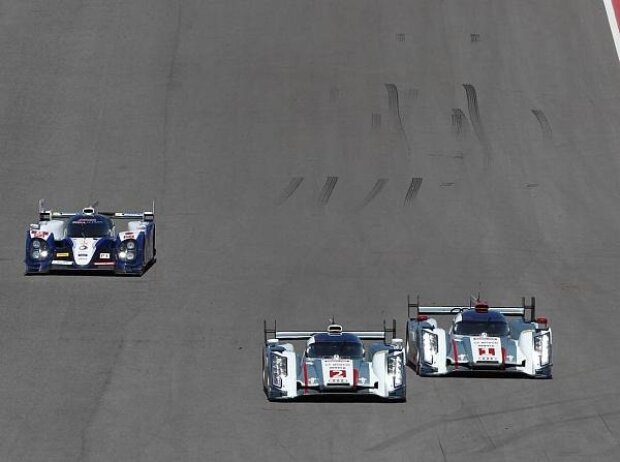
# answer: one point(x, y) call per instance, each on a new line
point(480, 339)
point(333, 363)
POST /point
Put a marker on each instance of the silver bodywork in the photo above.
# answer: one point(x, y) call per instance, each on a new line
point(287, 374)
point(526, 348)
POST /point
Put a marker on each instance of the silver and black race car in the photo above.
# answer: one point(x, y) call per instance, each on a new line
point(333, 362)
point(480, 339)
point(89, 241)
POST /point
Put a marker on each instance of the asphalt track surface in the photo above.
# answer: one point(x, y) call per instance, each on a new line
point(308, 160)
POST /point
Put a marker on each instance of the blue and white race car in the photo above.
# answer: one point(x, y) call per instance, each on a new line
point(334, 363)
point(89, 241)
point(480, 339)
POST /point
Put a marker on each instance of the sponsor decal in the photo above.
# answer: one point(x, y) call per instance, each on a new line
point(62, 254)
point(62, 262)
point(104, 263)
point(104, 256)
point(39, 234)
point(83, 247)
point(486, 349)
point(337, 373)
point(84, 221)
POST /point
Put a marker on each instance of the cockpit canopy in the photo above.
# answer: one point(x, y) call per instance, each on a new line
point(349, 350)
point(497, 328)
point(90, 226)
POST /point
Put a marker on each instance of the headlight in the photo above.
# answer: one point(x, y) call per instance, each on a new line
point(542, 347)
point(279, 368)
point(430, 346)
point(395, 369)
point(127, 250)
point(38, 249)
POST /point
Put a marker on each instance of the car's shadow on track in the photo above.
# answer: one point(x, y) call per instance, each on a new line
point(95, 273)
point(481, 375)
point(339, 399)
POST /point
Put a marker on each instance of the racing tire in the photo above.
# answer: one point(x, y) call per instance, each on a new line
point(408, 362)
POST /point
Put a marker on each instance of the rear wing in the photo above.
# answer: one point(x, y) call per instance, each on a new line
point(305, 335)
point(48, 214)
point(523, 310)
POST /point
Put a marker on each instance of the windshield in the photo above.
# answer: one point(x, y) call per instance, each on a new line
point(88, 227)
point(329, 349)
point(492, 329)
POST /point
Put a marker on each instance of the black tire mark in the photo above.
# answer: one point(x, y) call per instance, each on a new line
point(394, 107)
point(327, 190)
point(545, 126)
point(412, 192)
point(459, 123)
point(476, 122)
point(374, 192)
point(375, 120)
point(289, 190)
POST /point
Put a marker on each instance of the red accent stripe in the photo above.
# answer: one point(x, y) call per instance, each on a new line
point(305, 378)
point(356, 375)
point(503, 357)
point(455, 353)
point(616, 4)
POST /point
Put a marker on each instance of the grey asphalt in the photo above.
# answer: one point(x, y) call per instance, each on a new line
point(308, 160)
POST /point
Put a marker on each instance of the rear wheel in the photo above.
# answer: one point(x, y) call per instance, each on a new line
point(407, 360)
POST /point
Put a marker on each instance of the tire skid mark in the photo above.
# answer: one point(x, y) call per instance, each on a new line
point(443, 452)
point(327, 190)
point(374, 192)
point(459, 123)
point(375, 120)
point(289, 190)
point(476, 122)
point(545, 126)
point(394, 107)
point(412, 192)
point(438, 422)
point(528, 432)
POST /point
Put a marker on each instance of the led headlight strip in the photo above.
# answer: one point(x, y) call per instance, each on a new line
point(542, 347)
point(430, 344)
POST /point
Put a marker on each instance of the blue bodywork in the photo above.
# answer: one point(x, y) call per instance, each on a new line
point(107, 254)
